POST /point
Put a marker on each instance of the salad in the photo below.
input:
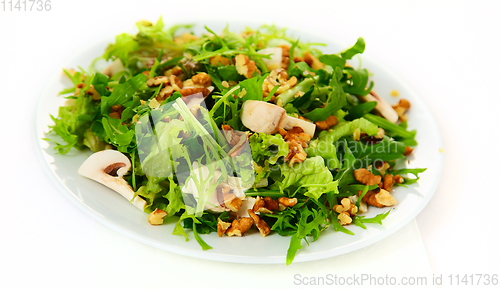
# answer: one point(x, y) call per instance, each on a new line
point(233, 133)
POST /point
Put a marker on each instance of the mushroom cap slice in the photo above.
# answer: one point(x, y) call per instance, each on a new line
point(261, 116)
point(383, 107)
point(108, 168)
point(275, 53)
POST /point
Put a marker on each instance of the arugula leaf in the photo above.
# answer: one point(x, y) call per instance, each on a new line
point(358, 48)
point(360, 110)
point(361, 220)
point(122, 93)
point(336, 100)
point(333, 60)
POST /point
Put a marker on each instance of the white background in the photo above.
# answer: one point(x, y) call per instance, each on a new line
point(446, 50)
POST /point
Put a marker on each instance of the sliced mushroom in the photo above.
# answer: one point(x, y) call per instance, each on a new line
point(261, 116)
point(383, 107)
point(275, 53)
point(108, 168)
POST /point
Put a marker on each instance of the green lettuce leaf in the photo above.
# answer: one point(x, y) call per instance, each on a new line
point(311, 174)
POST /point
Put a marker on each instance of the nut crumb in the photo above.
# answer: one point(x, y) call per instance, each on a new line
point(156, 217)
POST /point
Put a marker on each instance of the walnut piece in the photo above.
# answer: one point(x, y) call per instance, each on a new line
point(156, 217)
point(278, 77)
point(287, 202)
point(219, 59)
point(312, 61)
point(239, 227)
point(344, 218)
point(408, 151)
point(158, 80)
point(388, 182)
point(193, 90)
point(382, 199)
point(93, 93)
point(185, 38)
point(245, 66)
point(260, 206)
point(202, 79)
point(297, 140)
point(222, 227)
point(260, 224)
point(346, 210)
point(401, 109)
point(399, 179)
point(327, 123)
point(366, 177)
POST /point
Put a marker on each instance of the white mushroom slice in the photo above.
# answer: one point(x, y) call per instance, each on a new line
point(261, 116)
point(112, 69)
point(290, 122)
point(108, 168)
point(383, 107)
point(275, 53)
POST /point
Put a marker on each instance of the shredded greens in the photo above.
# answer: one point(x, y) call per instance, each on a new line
point(183, 154)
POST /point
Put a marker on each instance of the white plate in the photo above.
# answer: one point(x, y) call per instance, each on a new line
point(113, 211)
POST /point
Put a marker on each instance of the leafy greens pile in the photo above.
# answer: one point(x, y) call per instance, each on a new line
point(106, 109)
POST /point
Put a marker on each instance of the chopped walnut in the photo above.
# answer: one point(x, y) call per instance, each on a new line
point(222, 227)
point(185, 38)
point(93, 93)
point(297, 140)
point(382, 199)
point(116, 111)
point(202, 79)
point(285, 56)
point(231, 202)
point(236, 139)
point(401, 108)
point(399, 179)
point(158, 80)
point(193, 90)
point(346, 206)
point(278, 77)
point(245, 66)
point(327, 123)
point(408, 151)
point(164, 93)
point(383, 168)
point(156, 217)
point(366, 177)
point(287, 202)
point(218, 59)
point(176, 82)
point(260, 206)
point(260, 224)
point(388, 182)
point(239, 227)
point(344, 218)
point(176, 70)
point(296, 134)
point(312, 61)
